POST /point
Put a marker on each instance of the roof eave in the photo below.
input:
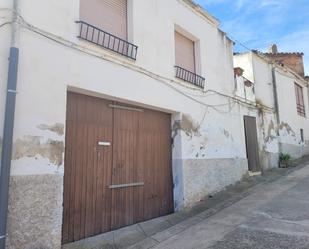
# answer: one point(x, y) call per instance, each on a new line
point(201, 11)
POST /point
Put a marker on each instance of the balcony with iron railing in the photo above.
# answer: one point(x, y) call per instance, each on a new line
point(190, 77)
point(106, 40)
point(301, 110)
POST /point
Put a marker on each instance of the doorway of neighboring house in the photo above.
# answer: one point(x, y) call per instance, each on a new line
point(117, 166)
point(252, 144)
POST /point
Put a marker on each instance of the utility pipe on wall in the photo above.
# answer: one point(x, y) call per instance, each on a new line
point(275, 92)
point(8, 125)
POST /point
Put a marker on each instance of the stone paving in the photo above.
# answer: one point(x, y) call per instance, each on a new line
point(268, 211)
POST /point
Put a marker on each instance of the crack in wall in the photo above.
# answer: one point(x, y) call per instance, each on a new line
point(31, 146)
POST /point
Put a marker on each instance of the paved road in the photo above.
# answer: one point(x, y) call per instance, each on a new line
point(274, 215)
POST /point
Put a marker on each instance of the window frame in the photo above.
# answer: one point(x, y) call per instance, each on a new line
point(194, 51)
point(300, 101)
point(84, 16)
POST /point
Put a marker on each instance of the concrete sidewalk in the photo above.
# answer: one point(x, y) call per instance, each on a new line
point(269, 211)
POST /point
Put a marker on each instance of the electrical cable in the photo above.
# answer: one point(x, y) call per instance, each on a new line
point(162, 79)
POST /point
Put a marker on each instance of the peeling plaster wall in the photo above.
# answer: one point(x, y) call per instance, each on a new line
point(207, 141)
point(32, 146)
point(290, 121)
point(259, 71)
point(213, 153)
point(269, 145)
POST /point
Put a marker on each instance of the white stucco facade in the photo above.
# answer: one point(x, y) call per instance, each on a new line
point(209, 149)
point(282, 134)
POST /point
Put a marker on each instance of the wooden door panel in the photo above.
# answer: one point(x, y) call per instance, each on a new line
point(87, 168)
point(139, 152)
point(103, 181)
point(252, 143)
point(124, 157)
point(155, 159)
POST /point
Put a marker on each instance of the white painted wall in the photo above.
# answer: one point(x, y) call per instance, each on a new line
point(263, 81)
point(49, 68)
point(245, 92)
point(288, 113)
point(206, 157)
point(258, 68)
point(259, 72)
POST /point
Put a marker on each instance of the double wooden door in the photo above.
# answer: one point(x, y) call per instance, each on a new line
point(117, 166)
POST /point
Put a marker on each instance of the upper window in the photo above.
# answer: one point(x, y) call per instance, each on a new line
point(184, 52)
point(108, 15)
point(104, 23)
point(300, 100)
point(185, 60)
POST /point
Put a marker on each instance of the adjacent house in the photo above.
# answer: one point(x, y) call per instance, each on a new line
point(280, 84)
point(126, 111)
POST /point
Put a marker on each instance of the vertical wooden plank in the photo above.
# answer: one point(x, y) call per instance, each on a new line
point(138, 174)
point(73, 174)
point(124, 147)
point(155, 154)
point(87, 168)
point(89, 140)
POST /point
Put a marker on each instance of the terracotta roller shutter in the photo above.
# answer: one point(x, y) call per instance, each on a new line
point(108, 15)
point(184, 54)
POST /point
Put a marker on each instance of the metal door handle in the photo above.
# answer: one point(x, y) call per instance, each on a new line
point(126, 185)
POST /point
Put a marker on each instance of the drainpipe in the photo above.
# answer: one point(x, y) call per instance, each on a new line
point(275, 92)
point(273, 71)
point(8, 124)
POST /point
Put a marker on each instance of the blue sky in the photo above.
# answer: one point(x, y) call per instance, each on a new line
point(258, 23)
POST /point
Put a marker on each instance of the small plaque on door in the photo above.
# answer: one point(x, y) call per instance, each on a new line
point(101, 143)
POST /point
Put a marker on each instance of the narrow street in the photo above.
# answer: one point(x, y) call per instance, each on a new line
point(261, 212)
point(274, 215)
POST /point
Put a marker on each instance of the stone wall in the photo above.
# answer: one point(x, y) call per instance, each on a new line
point(35, 212)
point(208, 176)
point(293, 61)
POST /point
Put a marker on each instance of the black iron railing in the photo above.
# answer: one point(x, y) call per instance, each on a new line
point(188, 76)
point(106, 40)
point(301, 110)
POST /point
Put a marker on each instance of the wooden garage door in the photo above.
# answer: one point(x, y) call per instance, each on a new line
point(117, 166)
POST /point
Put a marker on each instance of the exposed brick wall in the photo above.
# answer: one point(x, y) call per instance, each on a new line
point(293, 61)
